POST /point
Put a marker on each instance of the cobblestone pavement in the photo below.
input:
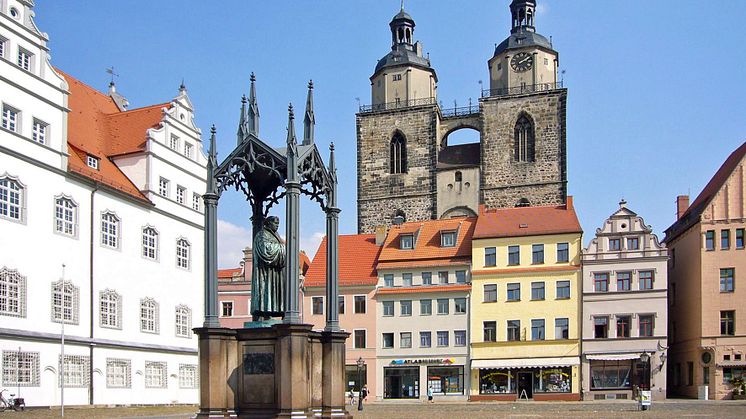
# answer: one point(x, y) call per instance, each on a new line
point(524, 410)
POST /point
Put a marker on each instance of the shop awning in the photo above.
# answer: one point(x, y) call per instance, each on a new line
point(612, 357)
point(565, 361)
point(732, 364)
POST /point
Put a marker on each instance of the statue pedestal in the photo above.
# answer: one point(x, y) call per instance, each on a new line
point(279, 371)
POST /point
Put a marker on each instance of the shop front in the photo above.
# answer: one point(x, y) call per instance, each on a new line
point(411, 378)
point(530, 379)
point(616, 376)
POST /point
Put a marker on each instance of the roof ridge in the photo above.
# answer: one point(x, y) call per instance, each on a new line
point(88, 87)
point(144, 108)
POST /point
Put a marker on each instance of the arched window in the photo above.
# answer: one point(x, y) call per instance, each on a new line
point(110, 230)
point(524, 139)
point(182, 253)
point(11, 198)
point(400, 217)
point(149, 316)
point(458, 176)
point(398, 154)
point(110, 309)
point(150, 243)
point(183, 321)
point(523, 202)
point(12, 293)
point(66, 216)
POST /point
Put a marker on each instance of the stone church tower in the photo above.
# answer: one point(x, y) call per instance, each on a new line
point(407, 170)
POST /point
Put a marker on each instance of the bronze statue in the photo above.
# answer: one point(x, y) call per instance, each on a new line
point(267, 275)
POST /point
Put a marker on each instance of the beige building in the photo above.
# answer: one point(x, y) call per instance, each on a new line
point(707, 333)
point(625, 310)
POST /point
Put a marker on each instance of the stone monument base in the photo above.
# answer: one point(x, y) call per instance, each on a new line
point(278, 371)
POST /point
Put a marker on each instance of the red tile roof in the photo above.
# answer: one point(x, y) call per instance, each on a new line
point(527, 221)
point(358, 254)
point(97, 127)
point(691, 215)
point(427, 241)
point(228, 273)
point(305, 262)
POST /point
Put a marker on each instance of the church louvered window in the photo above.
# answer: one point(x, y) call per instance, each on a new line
point(398, 154)
point(524, 140)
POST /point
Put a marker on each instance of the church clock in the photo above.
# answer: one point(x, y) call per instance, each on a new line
point(522, 61)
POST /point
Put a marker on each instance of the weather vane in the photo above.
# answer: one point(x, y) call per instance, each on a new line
point(110, 70)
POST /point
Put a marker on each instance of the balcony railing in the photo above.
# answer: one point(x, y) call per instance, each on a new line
point(518, 90)
point(400, 104)
point(460, 111)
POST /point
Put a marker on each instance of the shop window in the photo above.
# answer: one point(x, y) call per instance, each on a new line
point(356, 379)
point(401, 382)
point(553, 380)
point(611, 374)
point(446, 380)
point(733, 373)
point(494, 381)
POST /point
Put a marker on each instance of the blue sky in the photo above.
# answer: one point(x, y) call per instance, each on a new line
point(657, 95)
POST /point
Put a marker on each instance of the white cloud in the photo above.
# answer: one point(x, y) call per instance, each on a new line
point(311, 243)
point(232, 239)
point(542, 9)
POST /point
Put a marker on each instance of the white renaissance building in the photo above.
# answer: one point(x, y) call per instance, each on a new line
point(114, 195)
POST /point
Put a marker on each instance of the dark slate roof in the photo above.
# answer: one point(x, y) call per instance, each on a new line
point(402, 56)
point(462, 155)
point(692, 214)
point(526, 39)
point(402, 15)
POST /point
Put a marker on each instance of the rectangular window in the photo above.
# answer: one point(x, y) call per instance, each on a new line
point(563, 290)
point(387, 340)
point(514, 330)
point(24, 59)
point(443, 306)
point(92, 162)
point(12, 293)
point(490, 331)
point(537, 329)
point(690, 373)
point(563, 252)
point(21, 369)
point(75, 370)
point(443, 277)
point(461, 277)
point(537, 254)
point(728, 322)
point(110, 305)
point(3, 44)
point(727, 279)
point(317, 304)
point(156, 375)
point(705, 375)
point(228, 308)
point(646, 280)
point(459, 338)
point(388, 280)
point(406, 241)
point(426, 307)
point(183, 321)
point(490, 293)
point(459, 305)
point(341, 304)
point(405, 339)
point(724, 239)
point(739, 238)
point(182, 253)
point(443, 338)
point(196, 201)
point(514, 255)
point(601, 282)
point(180, 194)
point(118, 373)
point(359, 304)
point(188, 376)
point(448, 239)
point(710, 240)
point(623, 281)
point(490, 256)
point(514, 292)
point(163, 187)
point(405, 307)
point(623, 324)
point(427, 278)
point(601, 327)
point(360, 339)
point(425, 339)
point(615, 244)
point(406, 279)
point(11, 199)
point(188, 150)
point(561, 329)
point(149, 316)
point(537, 290)
point(633, 243)
point(65, 302)
point(39, 132)
point(174, 143)
point(646, 325)
point(10, 118)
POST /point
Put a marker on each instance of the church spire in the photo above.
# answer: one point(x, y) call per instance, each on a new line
point(253, 111)
point(309, 121)
point(523, 13)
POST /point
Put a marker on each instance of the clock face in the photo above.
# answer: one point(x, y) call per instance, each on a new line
point(522, 61)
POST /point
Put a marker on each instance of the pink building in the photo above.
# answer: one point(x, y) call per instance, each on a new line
point(358, 255)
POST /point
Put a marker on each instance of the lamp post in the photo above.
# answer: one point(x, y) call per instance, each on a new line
point(360, 365)
point(645, 359)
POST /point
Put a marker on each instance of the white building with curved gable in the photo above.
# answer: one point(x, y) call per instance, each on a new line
point(114, 195)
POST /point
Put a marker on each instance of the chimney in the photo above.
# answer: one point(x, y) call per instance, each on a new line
point(380, 235)
point(682, 204)
point(569, 204)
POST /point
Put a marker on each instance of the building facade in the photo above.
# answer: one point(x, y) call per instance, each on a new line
point(625, 307)
point(234, 293)
point(706, 245)
point(422, 301)
point(525, 311)
point(407, 169)
point(114, 195)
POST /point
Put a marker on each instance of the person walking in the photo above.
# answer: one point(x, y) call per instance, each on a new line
point(365, 393)
point(430, 394)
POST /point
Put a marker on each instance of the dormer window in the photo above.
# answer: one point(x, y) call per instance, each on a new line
point(406, 242)
point(447, 238)
point(92, 162)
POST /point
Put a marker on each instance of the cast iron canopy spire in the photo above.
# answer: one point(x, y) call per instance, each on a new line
point(253, 111)
point(309, 121)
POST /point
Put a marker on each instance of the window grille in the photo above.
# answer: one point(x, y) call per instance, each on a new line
point(74, 371)
point(150, 243)
point(118, 373)
point(183, 321)
point(149, 316)
point(110, 304)
point(182, 253)
point(11, 199)
point(156, 375)
point(188, 376)
point(110, 230)
point(21, 369)
point(66, 216)
point(65, 302)
point(12, 293)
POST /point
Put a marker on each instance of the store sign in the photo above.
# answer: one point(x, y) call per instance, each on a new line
point(423, 361)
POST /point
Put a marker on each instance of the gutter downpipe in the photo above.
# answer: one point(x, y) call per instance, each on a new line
point(90, 297)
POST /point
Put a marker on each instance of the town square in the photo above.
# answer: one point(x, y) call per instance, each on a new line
point(372, 209)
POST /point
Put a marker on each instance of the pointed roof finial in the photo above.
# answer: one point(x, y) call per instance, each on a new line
point(252, 115)
point(291, 126)
point(622, 203)
point(332, 162)
point(309, 120)
point(242, 123)
point(402, 5)
point(252, 78)
point(182, 86)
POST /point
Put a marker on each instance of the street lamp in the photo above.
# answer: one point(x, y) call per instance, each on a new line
point(645, 359)
point(360, 365)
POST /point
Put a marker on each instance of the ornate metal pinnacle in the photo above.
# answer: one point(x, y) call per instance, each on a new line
point(310, 84)
point(291, 114)
point(252, 78)
point(243, 99)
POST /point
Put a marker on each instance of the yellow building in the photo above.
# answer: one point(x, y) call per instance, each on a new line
point(525, 318)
